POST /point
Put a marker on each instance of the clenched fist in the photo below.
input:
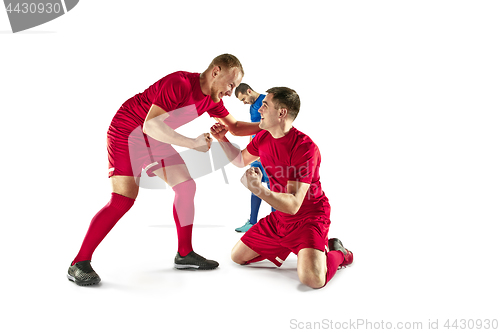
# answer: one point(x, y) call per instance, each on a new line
point(252, 179)
point(203, 143)
point(219, 131)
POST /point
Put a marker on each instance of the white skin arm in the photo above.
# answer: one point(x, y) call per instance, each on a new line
point(239, 128)
point(289, 202)
point(218, 119)
point(155, 127)
point(239, 158)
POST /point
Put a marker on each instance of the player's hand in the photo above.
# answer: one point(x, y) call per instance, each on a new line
point(203, 143)
point(252, 179)
point(219, 131)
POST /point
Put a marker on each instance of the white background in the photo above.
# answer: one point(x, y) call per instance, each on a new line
point(402, 98)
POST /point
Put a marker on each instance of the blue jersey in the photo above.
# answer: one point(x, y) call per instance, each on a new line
point(254, 109)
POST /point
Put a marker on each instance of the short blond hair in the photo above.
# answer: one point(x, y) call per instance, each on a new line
point(228, 61)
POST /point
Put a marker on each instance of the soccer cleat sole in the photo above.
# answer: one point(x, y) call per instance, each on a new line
point(194, 267)
point(82, 284)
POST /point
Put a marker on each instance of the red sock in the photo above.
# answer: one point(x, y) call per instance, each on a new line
point(333, 261)
point(102, 223)
point(184, 214)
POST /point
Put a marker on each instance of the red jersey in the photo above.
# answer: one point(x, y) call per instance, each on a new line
point(294, 157)
point(178, 93)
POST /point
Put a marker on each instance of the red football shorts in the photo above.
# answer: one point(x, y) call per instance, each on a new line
point(129, 153)
point(274, 240)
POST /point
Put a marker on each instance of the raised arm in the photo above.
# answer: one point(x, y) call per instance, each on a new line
point(239, 128)
point(239, 158)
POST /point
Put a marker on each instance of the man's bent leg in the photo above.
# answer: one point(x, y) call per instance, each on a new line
point(126, 186)
point(184, 187)
point(311, 267)
point(173, 174)
point(315, 268)
point(184, 215)
point(242, 254)
point(333, 261)
point(178, 177)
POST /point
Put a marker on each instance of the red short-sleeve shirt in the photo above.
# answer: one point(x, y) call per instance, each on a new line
point(294, 157)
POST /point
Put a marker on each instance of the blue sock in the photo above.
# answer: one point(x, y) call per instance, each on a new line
point(269, 187)
point(255, 202)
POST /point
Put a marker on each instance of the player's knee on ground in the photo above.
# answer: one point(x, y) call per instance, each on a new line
point(239, 253)
point(237, 257)
point(311, 279)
